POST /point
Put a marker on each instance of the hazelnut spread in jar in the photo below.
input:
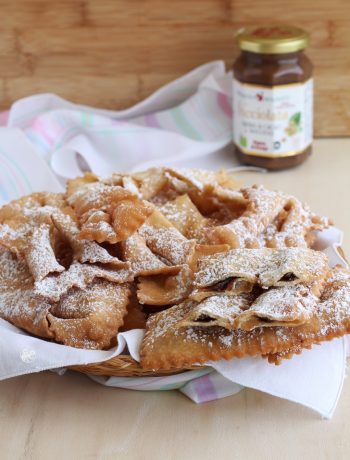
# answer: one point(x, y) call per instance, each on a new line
point(272, 97)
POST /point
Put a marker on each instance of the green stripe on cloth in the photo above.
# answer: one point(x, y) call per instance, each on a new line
point(184, 124)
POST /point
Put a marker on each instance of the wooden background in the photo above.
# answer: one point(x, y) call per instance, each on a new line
point(112, 53)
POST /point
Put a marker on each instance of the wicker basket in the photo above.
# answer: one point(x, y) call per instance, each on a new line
point(125, 366)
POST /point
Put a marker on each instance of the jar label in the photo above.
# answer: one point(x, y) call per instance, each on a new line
point(272, 121)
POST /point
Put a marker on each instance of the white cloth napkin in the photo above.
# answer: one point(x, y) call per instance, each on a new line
point(190, 117)
point(48, 139)
point(23, 354)
point(314, 378)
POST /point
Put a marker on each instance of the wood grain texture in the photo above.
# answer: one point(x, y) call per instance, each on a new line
point(46, 416)
point(113, 53)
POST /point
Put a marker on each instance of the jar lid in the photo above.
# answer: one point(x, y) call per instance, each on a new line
point(277, 39)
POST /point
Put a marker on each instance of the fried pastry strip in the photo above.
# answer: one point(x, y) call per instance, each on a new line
point(282, 306)
point(333, 312)
point(108, 213)
point(277, 358)
point(204, 250)
point(166, 346)
point(265, 266)
point(229, 287)
point(165, 289)
point(214, 194)
point(217, 310)
point(143, 261)
point(262, 208)
point(20, 217)
point(150, 182)
point(83, 250)
point(27, 230)
point(294, 227)
point(168, 243)
point(89, 317)
point(184, 215)
point(78, 182)
point(78, 275)
point(40, 255)
point(285, 306)
point(18, 305)
point(128, 216)
point(135, 317)
point(200, 179)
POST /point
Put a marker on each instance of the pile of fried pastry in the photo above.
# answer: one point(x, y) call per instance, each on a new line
point(210, 270)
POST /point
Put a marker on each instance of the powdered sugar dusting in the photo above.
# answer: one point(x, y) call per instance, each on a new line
point(263, 206)
point(89, 318)
point(263, 266)
point(84, 250)
point(168, 243)
point(295, 304)
point(219, 307)
point(40, 257)
point(140, 256)
point(164, 331)
point(79, 283)
point(182, 213)
point(198, 178)
point(78, 275)
point(17, 302)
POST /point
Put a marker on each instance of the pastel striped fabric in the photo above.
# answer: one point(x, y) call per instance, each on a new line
point(22, 171)
point(201, 386)
point(189, 117)
point(13, 179)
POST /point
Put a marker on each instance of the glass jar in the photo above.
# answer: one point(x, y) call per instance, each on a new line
point(272, 97)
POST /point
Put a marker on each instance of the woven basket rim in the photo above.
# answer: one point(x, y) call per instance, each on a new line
point(125, 366)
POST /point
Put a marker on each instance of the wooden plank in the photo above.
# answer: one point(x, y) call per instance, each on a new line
point(14, 65)
point(115, 92)
point(74, 63)
point(109, 13)
point(42, 40)
point(29, 13)
point(8, 42)
point(186, 12)
point(123, 50)
point(156, 12)
point(293, 12)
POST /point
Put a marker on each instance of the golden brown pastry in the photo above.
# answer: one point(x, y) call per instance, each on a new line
point(143, 261)
point(135, 317)
point(229, 271)
point(167, 346)
point(89, 317)
point(265, 266)
point(85, 318)
point(107, 213)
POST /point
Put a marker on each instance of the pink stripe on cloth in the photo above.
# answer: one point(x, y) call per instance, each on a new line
point(4, 117)
point(46, 130)
point(151, 121)
point(224, 102)
point(205, 389)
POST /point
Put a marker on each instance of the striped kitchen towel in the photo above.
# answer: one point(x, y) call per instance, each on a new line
point(187, 118)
